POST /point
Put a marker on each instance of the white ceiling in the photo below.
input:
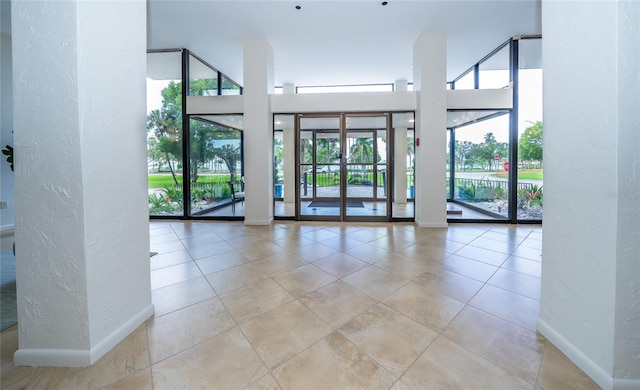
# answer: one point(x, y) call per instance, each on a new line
point(338, 42)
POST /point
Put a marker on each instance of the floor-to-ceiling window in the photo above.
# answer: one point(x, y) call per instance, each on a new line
point(530, 161)
point(185, 153)
point(284, 166)
point(216, 165)
point(495, 158)
point(164, 133)
point(403, 178)
point(480, 148)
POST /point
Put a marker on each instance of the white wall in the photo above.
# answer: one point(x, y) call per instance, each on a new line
point(6, 137)
point(344, 102)
point(82, 242)
point(626, 358)
point(590, 294)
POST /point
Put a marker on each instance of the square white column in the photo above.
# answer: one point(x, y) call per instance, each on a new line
point(590, 270)
point(82, 241)
point(258, 131)
point(430, 80)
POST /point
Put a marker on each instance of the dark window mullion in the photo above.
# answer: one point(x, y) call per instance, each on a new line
point(186, 138)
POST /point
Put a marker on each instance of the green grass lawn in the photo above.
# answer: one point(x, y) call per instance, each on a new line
point(166, 180)
point(523, 175)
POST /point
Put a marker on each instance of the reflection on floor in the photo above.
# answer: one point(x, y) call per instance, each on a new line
point(331, 305)
point(288, 209)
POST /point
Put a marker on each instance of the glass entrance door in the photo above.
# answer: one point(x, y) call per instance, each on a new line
point(342, 167)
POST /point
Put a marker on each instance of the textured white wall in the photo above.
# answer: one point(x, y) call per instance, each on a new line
point(587, 106)
point(82, 224)
point(626, 363)
point(112, 97)
point(50, 267)
point(6, 136)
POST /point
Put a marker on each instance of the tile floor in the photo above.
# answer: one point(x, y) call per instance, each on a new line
point(334, 306)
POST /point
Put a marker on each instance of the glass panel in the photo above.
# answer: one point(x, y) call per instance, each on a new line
point(327, 148)
point(366, 162)
point(360, 148)
point(319, 149)
point(327, 190)
point(530, 164)
point(360, 181)
point(215, 158)
point(481, 183)
point(164, 133)
point(448, 174)
point(203, 80)
point(494, 71)
point(326, 172)
point(278, 164)
point(466, 82)
point(284, 190)
point(403, 185)
point(229, 87)
point(380, 178)
point(306, 147)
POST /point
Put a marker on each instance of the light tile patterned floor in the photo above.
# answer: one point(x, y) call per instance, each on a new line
point(335, 306)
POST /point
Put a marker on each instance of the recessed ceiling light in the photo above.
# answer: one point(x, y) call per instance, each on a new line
point(298, 7)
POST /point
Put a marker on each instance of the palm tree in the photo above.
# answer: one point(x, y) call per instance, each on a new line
point(361, 151)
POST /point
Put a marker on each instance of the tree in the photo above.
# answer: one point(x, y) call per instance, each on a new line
point(530, 144)
point(326, 150)
point(362, 151)
point(168, 135)
point(230, 154)
point(202, 137)
point(463, 153)
point(490, 148)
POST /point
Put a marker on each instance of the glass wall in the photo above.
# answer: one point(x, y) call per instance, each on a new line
point(515, 64)
point(530, 162)
point(403, 165)
point(466, 81)
point(164, 132)
point(182, 170)
point(216, 160)
point(481, 148)
point(493, 72)
point(230, 87)
point(203, 80)
point(284, 166)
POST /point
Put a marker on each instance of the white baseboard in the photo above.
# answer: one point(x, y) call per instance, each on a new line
point(438, 225)
point(258, 221)
point(626, 384)
point(80, 357)
point(587, 365)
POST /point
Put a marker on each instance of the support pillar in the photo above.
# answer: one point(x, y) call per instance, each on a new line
point(289, 145)
point(82, 239)
point(591, 275)
point(258, 126)
point(430, 80)
point(400, 156)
